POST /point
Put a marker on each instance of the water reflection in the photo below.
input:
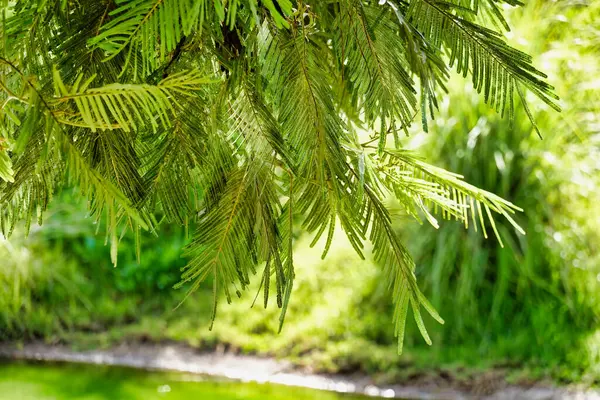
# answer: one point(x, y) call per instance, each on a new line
point(34, 381)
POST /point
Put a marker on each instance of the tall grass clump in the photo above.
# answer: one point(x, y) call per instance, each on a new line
point(39, 291)
point(536, 299)
point(59, 279)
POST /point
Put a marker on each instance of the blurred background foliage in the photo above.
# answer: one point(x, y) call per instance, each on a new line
point(532, 306)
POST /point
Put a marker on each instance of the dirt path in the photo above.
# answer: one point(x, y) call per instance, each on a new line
point(248, 368)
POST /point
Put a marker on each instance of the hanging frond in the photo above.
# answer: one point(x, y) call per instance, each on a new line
point(497, 69)
point(390, 252)
point(152, 28)
point(6, 170)
point(315, 132)
point(104, 198)
point(378, 72)
point(286, 229)
point(36, 172)
point(429, 189)
point(253, 126)
point(425, 63)
point(236, 233)
point(123, 106)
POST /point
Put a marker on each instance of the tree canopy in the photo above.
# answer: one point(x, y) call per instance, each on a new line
point(248, 119)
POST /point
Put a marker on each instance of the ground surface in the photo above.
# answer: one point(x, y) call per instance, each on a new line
point(254, 369)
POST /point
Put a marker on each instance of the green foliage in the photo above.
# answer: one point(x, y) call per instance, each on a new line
point(418, 185)
point(536, 298)
point(502, 296)
point(60, 279)
point(532, 305)
point(135, 27)
point(497, 69)
point(118, 106)
point(239, 117)
point(6, 171)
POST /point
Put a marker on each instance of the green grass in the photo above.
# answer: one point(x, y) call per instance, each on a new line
point(339, 322)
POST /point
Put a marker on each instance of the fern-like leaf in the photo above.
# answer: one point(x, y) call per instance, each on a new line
point(423, 187)
point(138, 25)
point(378, 72)
point(497, 69)
point(6, 171)
point(122, 106)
